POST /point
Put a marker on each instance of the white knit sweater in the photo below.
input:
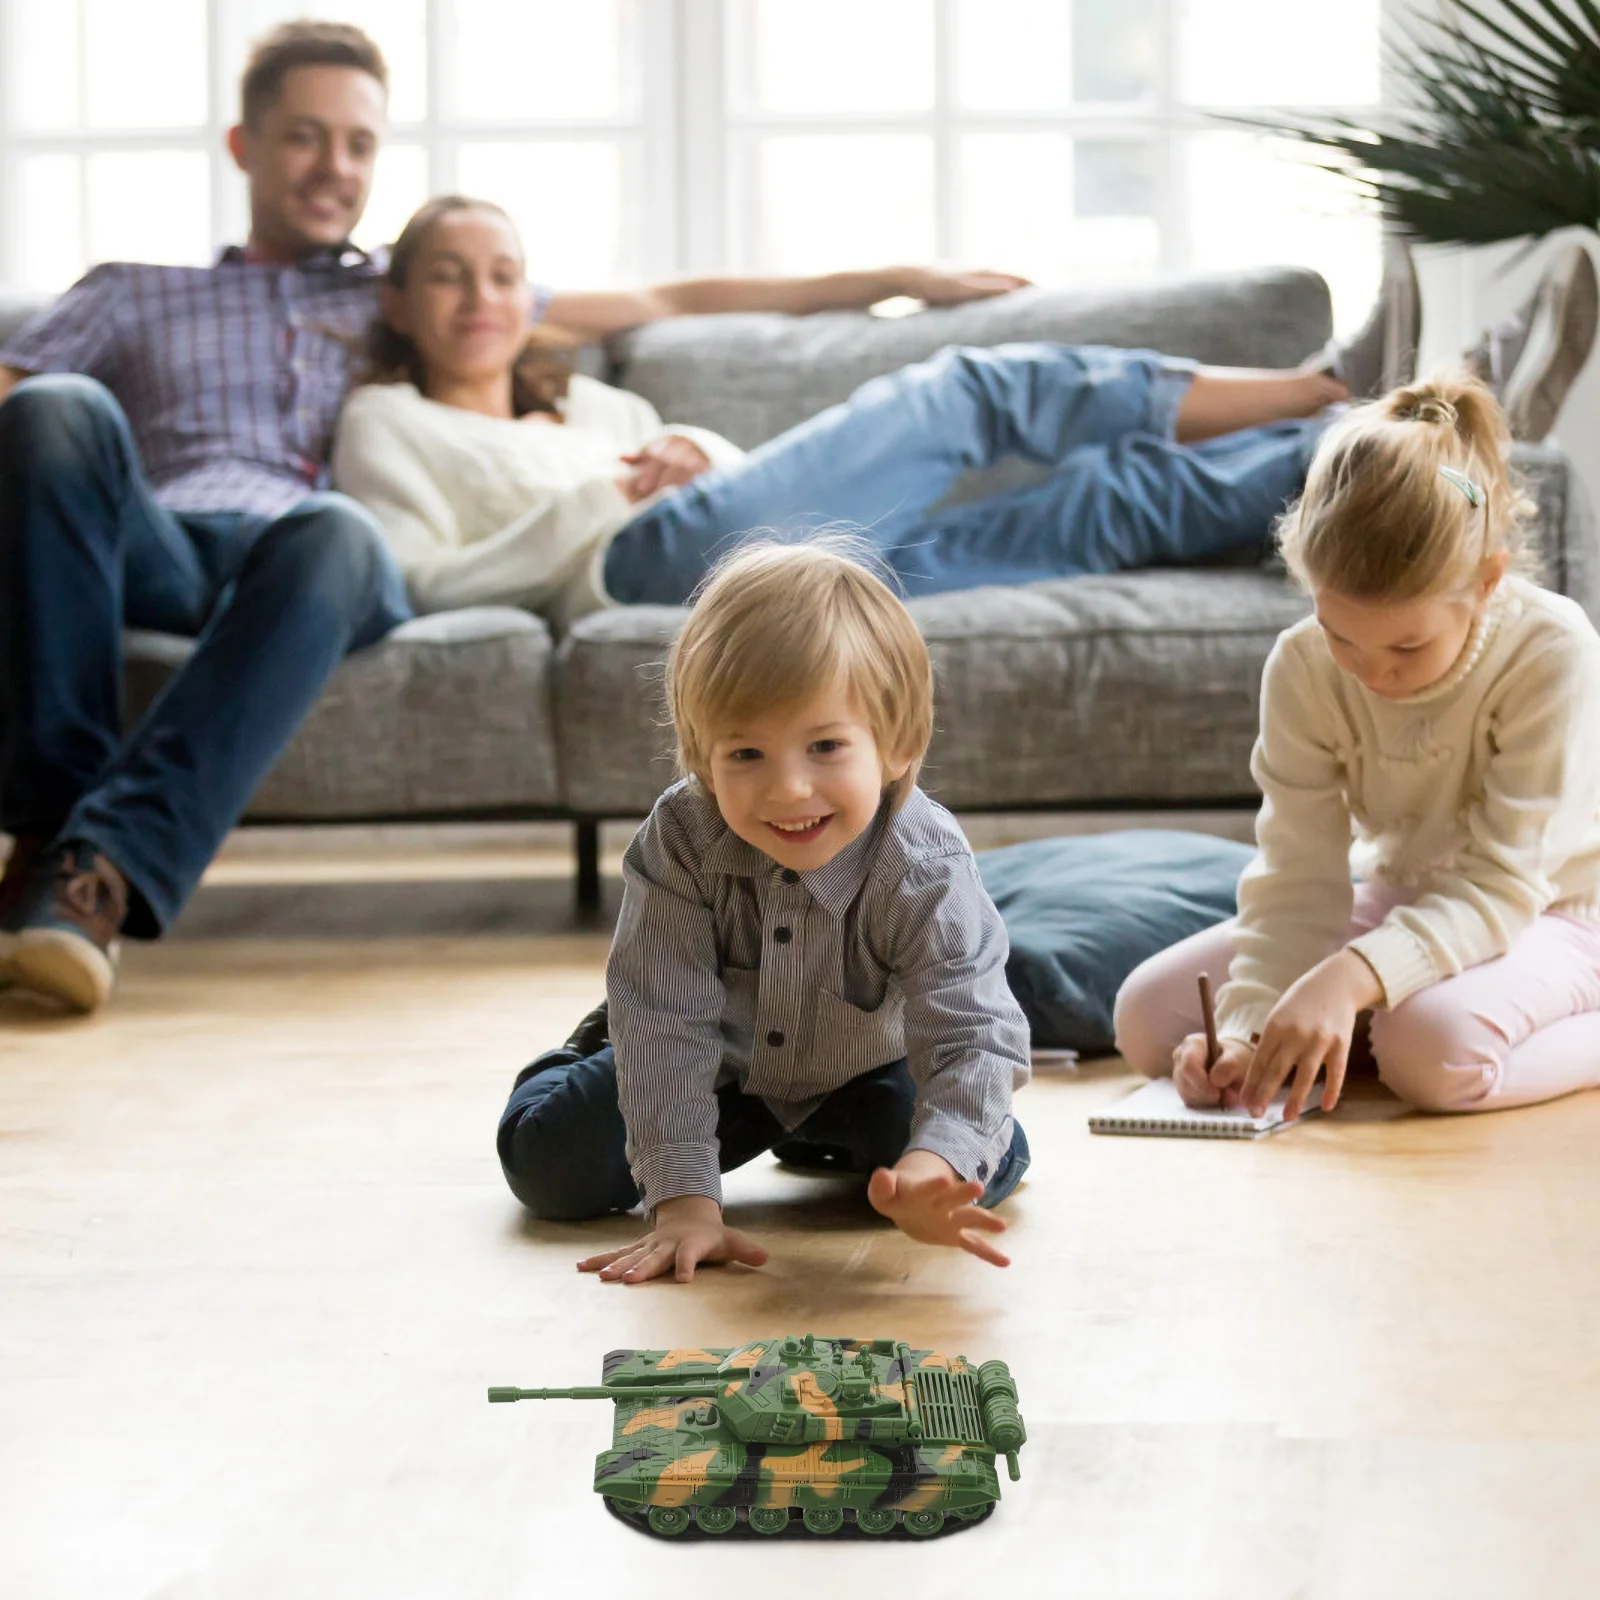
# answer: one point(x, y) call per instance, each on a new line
point(1478, 798)
point(485, 511)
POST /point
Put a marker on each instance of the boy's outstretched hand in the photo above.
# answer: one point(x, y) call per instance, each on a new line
point(926, 1199)
point(688, 1231)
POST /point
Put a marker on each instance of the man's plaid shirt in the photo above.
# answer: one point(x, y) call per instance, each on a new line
point(231, 376)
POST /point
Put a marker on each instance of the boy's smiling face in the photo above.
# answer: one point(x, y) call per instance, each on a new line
point(802, 783)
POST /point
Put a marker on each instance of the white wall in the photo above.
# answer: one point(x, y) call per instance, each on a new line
point(1464, 290)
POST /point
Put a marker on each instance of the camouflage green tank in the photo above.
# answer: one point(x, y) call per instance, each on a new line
point(837, 1430)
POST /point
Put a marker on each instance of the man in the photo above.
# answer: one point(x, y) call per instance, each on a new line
point(164, 436)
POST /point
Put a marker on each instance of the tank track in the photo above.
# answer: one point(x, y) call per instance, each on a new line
point(795, 1529)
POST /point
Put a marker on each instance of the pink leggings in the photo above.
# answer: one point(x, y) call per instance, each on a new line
point(1521, 1028)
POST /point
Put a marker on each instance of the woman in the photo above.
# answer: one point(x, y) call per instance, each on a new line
point(500, 478)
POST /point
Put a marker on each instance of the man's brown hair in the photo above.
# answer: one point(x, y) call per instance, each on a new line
point(304, 44)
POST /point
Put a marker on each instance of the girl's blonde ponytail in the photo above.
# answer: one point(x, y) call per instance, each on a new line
point(1409, 495)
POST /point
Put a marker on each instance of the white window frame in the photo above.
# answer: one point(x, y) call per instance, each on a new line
point(649, 139)
point(690, 148)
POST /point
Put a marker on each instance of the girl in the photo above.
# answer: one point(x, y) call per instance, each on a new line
point(1447, 709)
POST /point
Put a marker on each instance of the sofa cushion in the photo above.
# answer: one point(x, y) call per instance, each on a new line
point(450, 714)
point(752, 376)
point(1139, 687)
point(1082, 913)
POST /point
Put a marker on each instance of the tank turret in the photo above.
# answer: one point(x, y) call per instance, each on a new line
point(867, 1430)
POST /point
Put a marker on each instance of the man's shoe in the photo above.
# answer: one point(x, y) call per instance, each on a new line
point(59, 937)
point(1560, 333)
point(1382, 353)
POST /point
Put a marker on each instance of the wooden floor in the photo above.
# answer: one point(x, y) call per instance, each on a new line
point(257, 1266)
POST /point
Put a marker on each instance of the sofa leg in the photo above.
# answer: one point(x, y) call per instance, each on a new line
point(587, 840)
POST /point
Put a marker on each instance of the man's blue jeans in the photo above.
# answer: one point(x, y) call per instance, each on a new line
point(1122, 493)
point(562, 1141)
point(85, 549)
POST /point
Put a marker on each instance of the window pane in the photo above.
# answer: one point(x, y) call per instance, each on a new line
point(1014, 55)
point(51, 217)
point(1260, 202)
point(1114, 50)
point(397, 27)
point(1044, 55)
point(42, 76)
point(567, 199)
point(145, 65)
point(830, 201)
point(837, 55)
point(149, 205)
point(1277, 52)
point(399, 186)
point(496, 40)
point(1059, 210)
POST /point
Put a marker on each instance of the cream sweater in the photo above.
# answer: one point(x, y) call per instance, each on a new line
point(484, 511)
point(1478, 798)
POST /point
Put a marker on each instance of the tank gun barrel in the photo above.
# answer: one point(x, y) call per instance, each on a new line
point(677, 1391)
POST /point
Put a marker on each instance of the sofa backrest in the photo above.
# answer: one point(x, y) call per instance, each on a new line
point(751, 376)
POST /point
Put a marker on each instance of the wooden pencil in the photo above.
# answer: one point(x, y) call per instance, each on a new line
point(1208, 1015)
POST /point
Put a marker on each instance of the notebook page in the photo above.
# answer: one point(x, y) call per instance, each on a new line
point(1157, 1108)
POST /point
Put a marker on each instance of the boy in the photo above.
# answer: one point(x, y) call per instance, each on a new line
point(805, 956)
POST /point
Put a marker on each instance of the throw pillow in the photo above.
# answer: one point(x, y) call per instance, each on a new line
point(1082, 913)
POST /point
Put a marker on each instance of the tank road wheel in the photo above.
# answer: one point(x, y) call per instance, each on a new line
point(716, 1519)
point(875, 1521)
point(923, 1524)
point(769, 1519)
point(822, 1519)
point(971, 1513)
point(668, 1521)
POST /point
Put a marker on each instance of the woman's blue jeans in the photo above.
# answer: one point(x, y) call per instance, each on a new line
point(562, 1141)
point(274, 603)
point(1122, 492)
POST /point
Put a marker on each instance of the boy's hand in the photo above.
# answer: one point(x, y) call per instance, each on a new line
point(1204, 1090)
point(1309, 1029)
point(926, 1199)
point(688, 1230)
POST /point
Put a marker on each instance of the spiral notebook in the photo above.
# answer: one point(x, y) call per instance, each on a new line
point(1157, 1108)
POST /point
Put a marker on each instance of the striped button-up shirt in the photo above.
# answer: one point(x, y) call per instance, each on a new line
point(231, 376)
point(727, 967)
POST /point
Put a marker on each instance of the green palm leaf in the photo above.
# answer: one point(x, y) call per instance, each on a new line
point(1503, 138)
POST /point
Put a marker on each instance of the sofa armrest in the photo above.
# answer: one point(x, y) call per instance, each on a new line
point(1565, 535)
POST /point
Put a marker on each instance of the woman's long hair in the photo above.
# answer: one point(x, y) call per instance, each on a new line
point(539, 377)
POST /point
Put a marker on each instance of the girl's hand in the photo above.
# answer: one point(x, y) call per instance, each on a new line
point(663, 464)
point(688, 1230)
point(1200, 1089)
point(927, 1200)
point(1308, 1030)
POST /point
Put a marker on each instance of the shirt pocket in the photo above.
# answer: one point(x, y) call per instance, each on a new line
point(848, 1040)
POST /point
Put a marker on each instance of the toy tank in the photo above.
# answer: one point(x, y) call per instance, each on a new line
point(835, 1430)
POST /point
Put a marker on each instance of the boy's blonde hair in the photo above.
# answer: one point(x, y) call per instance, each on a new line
point(1408, 496)
point(774, 625)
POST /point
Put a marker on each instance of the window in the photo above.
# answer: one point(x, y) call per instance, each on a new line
point(1068, 139)
point(1062, 138)
point(113, 113)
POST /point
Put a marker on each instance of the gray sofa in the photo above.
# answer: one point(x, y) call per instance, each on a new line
point(1136, 690)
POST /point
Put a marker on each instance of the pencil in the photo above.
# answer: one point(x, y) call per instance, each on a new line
point(1209, 1016)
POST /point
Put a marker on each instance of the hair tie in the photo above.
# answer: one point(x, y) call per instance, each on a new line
point(1465, 484)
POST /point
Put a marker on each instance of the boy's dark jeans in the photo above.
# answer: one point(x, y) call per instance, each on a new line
point(562, 1141)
